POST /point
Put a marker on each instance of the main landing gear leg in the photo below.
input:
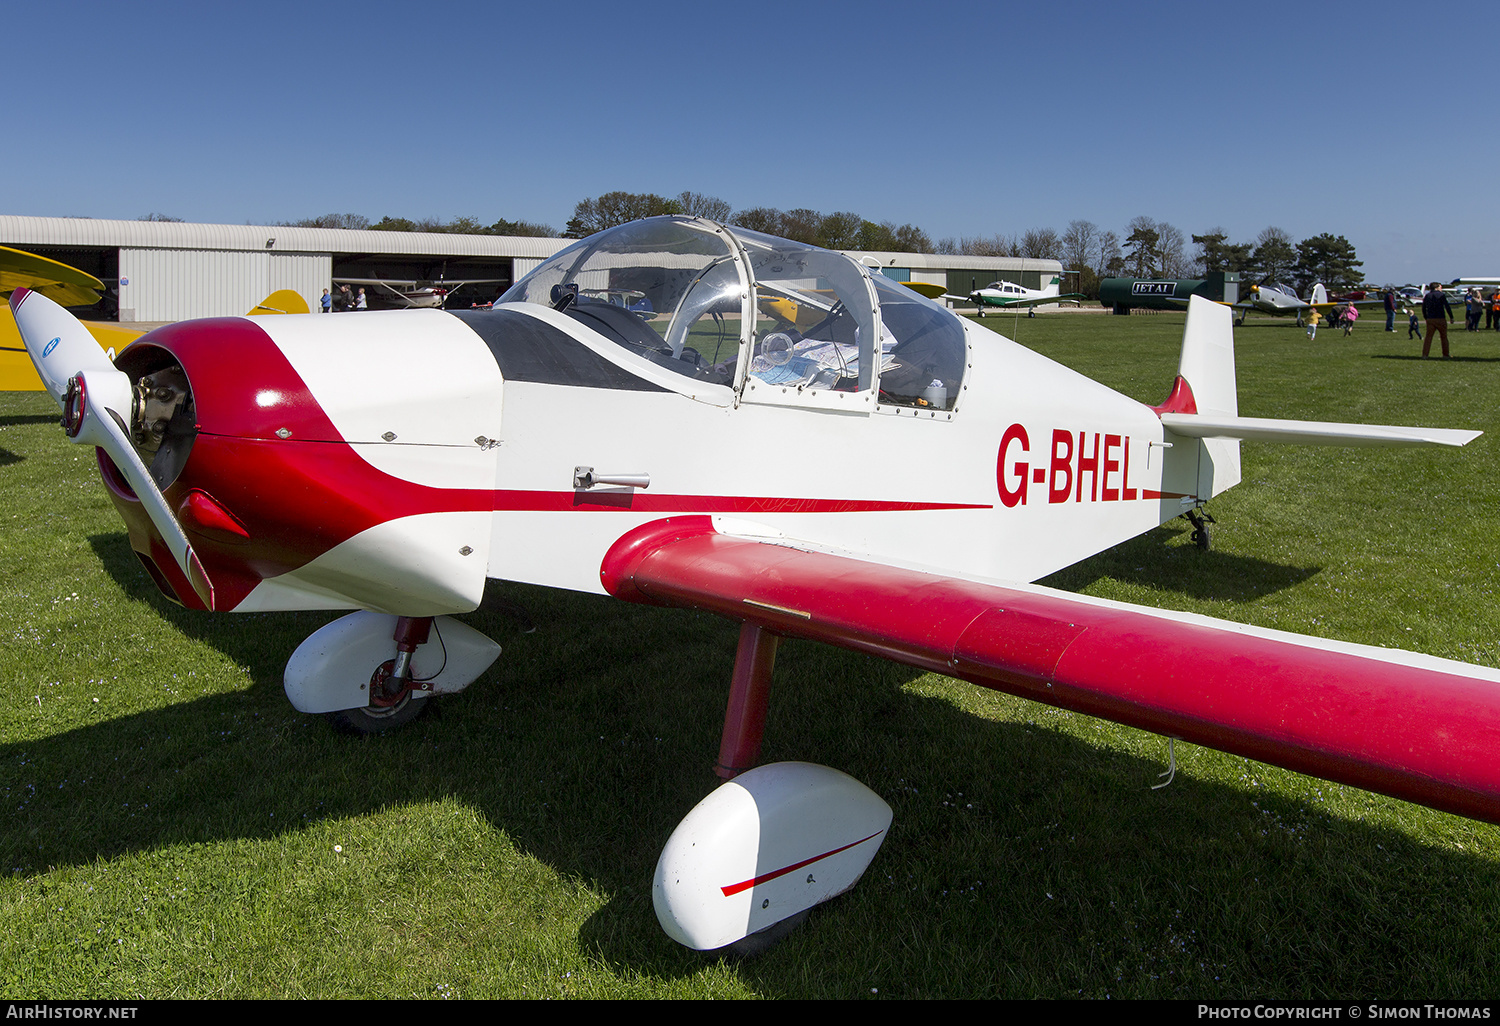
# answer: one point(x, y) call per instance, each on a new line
point(751, 860)
point(749, 697)
point(372, 672)
point(392, 703)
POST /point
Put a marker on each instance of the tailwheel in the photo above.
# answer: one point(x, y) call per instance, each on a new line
point(1200, 519)
point(393, 704)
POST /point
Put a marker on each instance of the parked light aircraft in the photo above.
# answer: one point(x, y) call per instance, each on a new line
point(888, 478)
point(1274, 297)
point(61, 283)
point(414, 295)
point(1279, 298)
point(1009, 294)
point(72, 287)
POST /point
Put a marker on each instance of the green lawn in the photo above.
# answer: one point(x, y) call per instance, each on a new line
point(173, 828)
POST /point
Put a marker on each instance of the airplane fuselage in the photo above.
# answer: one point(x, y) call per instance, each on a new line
point(403, 429)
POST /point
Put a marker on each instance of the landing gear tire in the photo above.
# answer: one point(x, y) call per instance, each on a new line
point(377, 721)
point(385, 713)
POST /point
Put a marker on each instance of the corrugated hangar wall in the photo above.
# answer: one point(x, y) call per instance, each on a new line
point(177, 284)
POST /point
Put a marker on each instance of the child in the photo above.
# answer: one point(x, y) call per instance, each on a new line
point(1312, 324)
point(1413, 329)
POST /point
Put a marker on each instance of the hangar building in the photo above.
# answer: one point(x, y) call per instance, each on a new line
point(174, 270)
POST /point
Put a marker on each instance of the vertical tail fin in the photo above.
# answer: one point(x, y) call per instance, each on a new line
point(1205, 385)
point(1207, 361)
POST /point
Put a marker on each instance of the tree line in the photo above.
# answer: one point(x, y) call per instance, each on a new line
point(457, 226)
point(840, 230)
point(1145, 248)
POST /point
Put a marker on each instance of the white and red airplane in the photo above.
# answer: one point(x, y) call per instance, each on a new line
point(789, 441)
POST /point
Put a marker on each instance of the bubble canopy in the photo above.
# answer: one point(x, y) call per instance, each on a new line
point(777, 321)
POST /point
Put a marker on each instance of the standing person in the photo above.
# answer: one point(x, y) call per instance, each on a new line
point(1473, 307)
point(1435, 306)
point(1494, 306)
point(1390, 309)
point(359, 302)
point(327, 302)
point(1312, 323)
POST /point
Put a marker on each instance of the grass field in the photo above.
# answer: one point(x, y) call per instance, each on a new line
point(172, 828)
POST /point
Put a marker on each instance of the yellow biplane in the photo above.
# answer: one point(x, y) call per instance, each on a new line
point(68, 286)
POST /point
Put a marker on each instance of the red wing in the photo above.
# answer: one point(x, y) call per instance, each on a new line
point(1423, 729)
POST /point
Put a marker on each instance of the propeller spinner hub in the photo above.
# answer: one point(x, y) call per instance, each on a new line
point(75, 401)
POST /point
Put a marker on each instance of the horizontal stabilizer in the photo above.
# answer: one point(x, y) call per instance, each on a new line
point(1310, 432)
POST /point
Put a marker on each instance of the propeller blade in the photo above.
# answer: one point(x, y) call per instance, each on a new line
point(93, 394)
point(58, 345)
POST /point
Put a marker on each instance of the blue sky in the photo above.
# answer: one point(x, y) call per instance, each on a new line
point(1355, 119)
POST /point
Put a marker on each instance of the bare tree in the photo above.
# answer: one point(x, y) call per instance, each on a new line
point(1172, 261)
point(1080, 244)
point(356, 221)
point(1042, 243)
point(995, 245)
point(699, 205)
point(1111, 258)
point(1080, 247)
point(761, 219)
point(911, 239)
point(801, 225)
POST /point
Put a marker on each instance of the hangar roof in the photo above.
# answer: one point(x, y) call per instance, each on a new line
point(86, 231)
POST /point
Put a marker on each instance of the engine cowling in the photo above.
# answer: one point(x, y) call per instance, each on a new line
point(318, 462)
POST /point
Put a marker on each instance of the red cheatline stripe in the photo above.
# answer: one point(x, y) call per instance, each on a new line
point(744, 885)
point(518, 500)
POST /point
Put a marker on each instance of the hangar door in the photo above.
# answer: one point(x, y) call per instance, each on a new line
point(176, 284)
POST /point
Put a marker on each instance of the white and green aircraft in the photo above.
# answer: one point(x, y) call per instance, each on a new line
point(1008, 294)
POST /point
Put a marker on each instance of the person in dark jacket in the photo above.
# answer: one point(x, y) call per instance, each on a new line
point(1435, 306)
point(1390, 309)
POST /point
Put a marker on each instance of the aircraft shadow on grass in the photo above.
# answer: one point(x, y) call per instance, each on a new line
point(20, 419)
point(1151, 560)
point(599, 727)
point(6, 456)
point(1435, 356)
